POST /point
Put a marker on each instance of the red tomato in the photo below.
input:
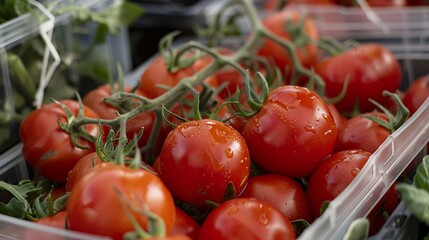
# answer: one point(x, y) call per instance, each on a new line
point(307, 54)
point(371, 69)
point(332, 176)
point(246, 218)
point(82, 167)
point(387, 204)
point(339, 119)
point(416, 94)
point(94, 100)
point(157, 74)
point(292, 132)
point(47, 147)
point(89, 211)
point(199, 159)
point(58, 220)
point(282, 192)
point(170, 237)
point(362, 133)
point(185, 225)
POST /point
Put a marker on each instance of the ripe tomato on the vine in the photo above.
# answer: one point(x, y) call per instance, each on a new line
point(157, 75)
point(362, 133)
point(278, 24)
point(82, 167)
point(200, 158)
point(292, 133)
point(94, 100)
point(88, 211)
point(416, 94)
point(282, 192)
point(370, 69)
point(49, 148)
point(246, 218)
point(185, 225)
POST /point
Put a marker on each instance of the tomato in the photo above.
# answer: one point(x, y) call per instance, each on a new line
point(333, 175)
point(362, 133)
point(170, 237)
point(94, 206)
point(292, 132)
point(371, 69)
point(82, 167)
point(199, 158)
point(416, 94)
point(157, 74)
point(386, 205)
point(307, 54)
point(47, 147)
point(94, 100)
point(339, 119)
point(282, 192)
point(185, 225)
point(58, 220)
point(246, 218)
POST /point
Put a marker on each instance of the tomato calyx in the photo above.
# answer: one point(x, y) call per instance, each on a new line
point(395, 121)
point(31, 200)
point(333, 47)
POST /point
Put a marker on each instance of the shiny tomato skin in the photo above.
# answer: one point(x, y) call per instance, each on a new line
point(362, 133)
point(371, 69)
point(282, 192)
point(94, 100)
point(292, 132)
point(199, 158)
point(332, 176)
point(339, 119)
point(89, 212)
point(307, 54)
point(185, 225)
point(47, 147)
point(246, 218)
point(82, 167)
point(158, 74)
point(416, 94)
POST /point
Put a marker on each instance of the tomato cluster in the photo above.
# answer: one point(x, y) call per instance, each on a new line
point(249, 161)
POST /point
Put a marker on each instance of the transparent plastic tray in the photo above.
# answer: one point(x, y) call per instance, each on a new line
point(22, 48)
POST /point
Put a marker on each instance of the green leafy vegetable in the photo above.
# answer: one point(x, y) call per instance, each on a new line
point(358, 230)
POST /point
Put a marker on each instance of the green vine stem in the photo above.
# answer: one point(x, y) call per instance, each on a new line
point(251, 43)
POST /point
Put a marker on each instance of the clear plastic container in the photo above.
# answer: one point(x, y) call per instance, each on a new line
point(22, 52)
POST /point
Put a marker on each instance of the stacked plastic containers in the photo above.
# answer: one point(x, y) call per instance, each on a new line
point(404, 31)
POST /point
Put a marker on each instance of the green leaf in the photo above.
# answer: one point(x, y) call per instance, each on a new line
point(421, 179)
point(14, 208)
point(299, 226)
point(61, 202)
point(10, 9)
point(358, 230)
point(325, 205)
point(416, 200)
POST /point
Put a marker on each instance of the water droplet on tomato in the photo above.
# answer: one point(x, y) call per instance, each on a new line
point(263, 220)
point(328, 132)
point(309, 128)
point(355, 172)
point(232, 210)
point(325, 116)
point(229, 153)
